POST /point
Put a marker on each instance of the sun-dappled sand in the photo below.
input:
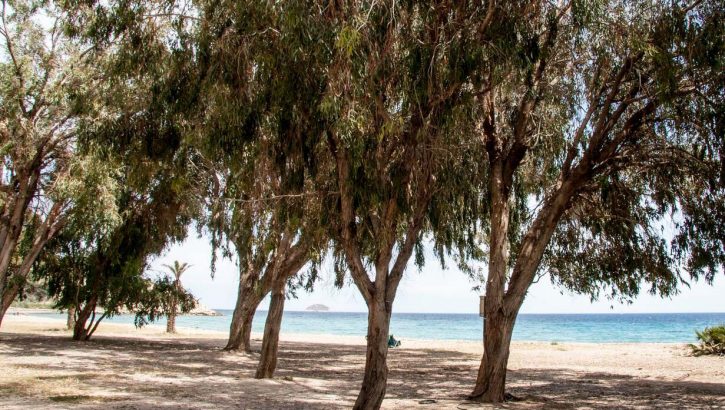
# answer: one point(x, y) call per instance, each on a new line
point(124, 367)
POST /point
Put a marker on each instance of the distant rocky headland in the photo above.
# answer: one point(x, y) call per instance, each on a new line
point(47, 307)
point(318, 308)
point(202, 310)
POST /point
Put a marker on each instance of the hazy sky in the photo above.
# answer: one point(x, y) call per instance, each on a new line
point(430, 290)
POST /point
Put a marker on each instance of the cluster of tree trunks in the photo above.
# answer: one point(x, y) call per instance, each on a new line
point(255, 283)
point(86, 321)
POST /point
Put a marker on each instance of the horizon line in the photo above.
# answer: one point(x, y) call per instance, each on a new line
point(476, 313)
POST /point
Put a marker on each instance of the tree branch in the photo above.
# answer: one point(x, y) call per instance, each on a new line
point(347, 223)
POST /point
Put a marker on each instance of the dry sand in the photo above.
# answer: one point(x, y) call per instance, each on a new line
point(128, 368)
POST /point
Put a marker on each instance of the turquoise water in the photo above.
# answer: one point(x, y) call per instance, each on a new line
point(659, 327)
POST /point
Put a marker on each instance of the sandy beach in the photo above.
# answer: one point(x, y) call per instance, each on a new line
point(129, 368)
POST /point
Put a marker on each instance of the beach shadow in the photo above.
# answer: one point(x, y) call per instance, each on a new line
point(195, 373)
point(563, 388)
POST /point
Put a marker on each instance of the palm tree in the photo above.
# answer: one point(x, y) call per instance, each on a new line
point(177, 269)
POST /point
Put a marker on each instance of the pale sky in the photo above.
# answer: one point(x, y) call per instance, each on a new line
point(432, 290)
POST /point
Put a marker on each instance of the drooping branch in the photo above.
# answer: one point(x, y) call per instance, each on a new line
point(18, 70)
point(347, 227)
point(540, 232)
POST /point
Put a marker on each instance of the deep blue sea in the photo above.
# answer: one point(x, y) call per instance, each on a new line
point(654, 327)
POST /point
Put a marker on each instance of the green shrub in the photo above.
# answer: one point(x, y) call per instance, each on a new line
point(712, 341)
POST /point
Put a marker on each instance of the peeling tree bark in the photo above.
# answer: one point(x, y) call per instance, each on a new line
point(5, 303)
point(380, 293)
point(502, 304)
point(491, 380)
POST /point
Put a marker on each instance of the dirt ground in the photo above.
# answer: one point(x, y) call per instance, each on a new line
point(127, 368)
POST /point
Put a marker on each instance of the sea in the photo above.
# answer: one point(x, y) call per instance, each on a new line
point(597, 328)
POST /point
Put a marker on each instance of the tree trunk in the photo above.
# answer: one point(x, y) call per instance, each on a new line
point(240, 330)
point(13, 222)
point(375, 379)
point(171, 318)
point(5, 272)
point(80, 330)
point(171, 322)
point(270, 341)
point(491, 380)
point(70, 321)
point(9, 291)
point(5, 305)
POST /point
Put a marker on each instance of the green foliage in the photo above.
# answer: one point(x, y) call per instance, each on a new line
point(712, 342)
point(177, 269)
point(49, 85)
point(397, 104)
point(160, 298)
point(653, 219)
point(259, 93)
point(253, 95)
point(106, 267)
point(152, 204)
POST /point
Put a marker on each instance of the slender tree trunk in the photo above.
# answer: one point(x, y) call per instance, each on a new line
point(171, 322)
point(240, 330)
point(80, 330)
point(12, 229)
point(270, 341)
point(5, 303)
point(5, 256)
point(491, 380)
point(171, 318)
point(70, 322)
point(375, 379)
point(9, 291)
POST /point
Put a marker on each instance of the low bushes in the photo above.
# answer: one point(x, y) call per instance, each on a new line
point(712, 342)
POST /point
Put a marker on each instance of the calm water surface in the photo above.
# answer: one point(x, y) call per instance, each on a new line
point(655, 327)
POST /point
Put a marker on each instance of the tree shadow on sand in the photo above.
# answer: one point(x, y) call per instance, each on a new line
point(195, 373)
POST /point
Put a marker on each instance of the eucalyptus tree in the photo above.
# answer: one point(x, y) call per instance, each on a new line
point(261, 90)
point(47, 85)
point(176, 270)
point(147, 90)
point(90, 270)
point(602, 124)
point(272, 236)
point(292, 123)
point(214, 52)
point(398, 88)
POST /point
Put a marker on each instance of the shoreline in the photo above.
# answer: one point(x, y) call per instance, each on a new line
point(199, 311)
point(324, 338)
point(219, 310)
point(293, 335)
point(125, 367)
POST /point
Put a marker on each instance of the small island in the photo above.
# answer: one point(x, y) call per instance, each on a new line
point(318, 308)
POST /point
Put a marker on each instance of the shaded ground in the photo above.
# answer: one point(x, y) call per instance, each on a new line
point(44, 369)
